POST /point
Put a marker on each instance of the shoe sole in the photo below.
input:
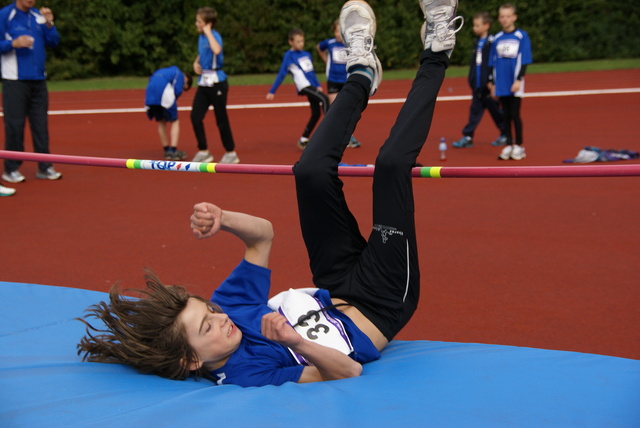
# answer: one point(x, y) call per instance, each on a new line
point(235, 161)
point(46, 177)
point(462, 145)
point(11, 180)
point(205, 160)
point(357, 4)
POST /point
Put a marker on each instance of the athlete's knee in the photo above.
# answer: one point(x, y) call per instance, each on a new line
point(196, 116)
point(393, 161)
point(310, 173)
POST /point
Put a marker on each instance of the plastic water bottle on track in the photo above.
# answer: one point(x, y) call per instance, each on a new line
point(443, 149)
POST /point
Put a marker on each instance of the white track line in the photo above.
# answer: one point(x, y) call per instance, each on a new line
point(373, 101)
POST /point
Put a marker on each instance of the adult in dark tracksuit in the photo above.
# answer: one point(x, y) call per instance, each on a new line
point(25, 33)
point(479, 72)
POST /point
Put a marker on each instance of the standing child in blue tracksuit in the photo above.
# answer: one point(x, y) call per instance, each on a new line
point(510, 55)
point(299, 63)
point(161, 100)
point(213, 88)
point(332, 52)
point(478, 78)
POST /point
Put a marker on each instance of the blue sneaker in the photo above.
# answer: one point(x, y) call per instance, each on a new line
point(500, 141)
point(463, 142)
point(353, 143)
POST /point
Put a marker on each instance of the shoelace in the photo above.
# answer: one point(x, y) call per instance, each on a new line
point(443, 30)
point(359, 44)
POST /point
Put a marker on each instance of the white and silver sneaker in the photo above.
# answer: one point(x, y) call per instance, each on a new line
point(518, 152)
point(6, 191)
point(13, 177)
point(48, 174)
point(230, 157)
point(505, 154)
point(203, 156)
point(358, 30)
point(439, 29)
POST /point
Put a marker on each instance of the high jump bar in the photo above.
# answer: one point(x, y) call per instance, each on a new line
point(345, 171)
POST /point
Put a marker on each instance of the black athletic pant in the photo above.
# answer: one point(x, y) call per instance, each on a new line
point(319, 102)
point(481, 101)
point(379, 275)
point(215, 96)
point(511, 111)
point(22, 99)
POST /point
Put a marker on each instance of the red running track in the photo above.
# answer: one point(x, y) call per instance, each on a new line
point(549, 262)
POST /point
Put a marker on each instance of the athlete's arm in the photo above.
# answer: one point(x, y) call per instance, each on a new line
point(213, 43)
point(328, 363)
point(256, 233)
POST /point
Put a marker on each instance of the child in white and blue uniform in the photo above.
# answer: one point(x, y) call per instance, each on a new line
point(165, 86)
point(478, 78)
point(299, 63)
point(258, 361)
point(213, 89)
point(367, 288)
point(510, 55)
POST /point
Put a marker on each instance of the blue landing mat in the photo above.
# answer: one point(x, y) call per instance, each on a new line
point(415, 384)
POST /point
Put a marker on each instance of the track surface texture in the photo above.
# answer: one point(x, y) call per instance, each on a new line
point(545, 262)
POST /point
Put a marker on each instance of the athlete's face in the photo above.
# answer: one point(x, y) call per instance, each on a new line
point(507, 18)
point(25, 5)
point(212, 335)
point(480, 28)
point(297, 42)
point(337, 35)
point(199, 23)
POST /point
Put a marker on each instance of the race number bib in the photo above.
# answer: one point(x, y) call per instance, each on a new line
point(508, 48)
point(320, 328)
point(338, 56)
point(305, 64)
point(208, 78)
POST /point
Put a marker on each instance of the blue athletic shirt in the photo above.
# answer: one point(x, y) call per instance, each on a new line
point(336, 63)
point(300, 65)
point(259, 361)
point(509, 52)
point(165, 79)
point(25, 63)
point(211, 64)
point(479, 47)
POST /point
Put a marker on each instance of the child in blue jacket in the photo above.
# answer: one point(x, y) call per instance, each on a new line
point(161, 102)
point(299, 63)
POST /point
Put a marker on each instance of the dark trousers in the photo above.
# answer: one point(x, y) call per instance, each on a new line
point(215, 96)
point(319, 102)
point(378, 275)
point(24, 99)
point(481, 101)
point(511, 110)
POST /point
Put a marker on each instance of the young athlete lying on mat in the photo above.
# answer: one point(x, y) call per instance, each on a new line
point(367, 290)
